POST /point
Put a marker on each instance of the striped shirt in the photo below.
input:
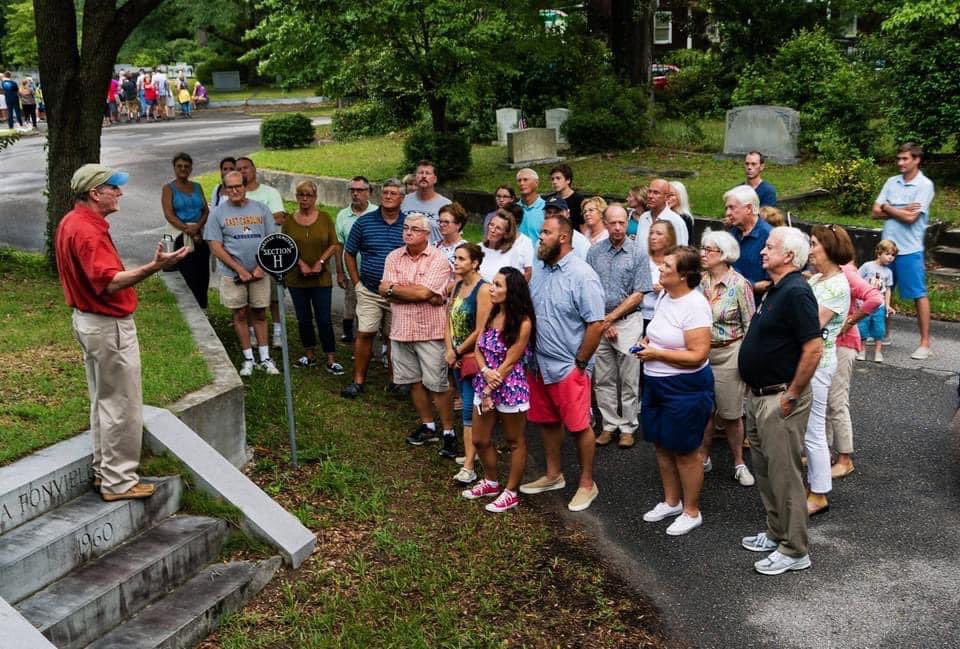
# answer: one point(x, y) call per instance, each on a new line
point(623, 271)
point(417, 321)
point(731, 301)
point(375, 239)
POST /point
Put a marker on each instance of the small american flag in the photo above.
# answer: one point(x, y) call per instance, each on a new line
point(522, 122)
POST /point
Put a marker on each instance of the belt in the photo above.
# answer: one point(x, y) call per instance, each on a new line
point(723, 343)
point(769, 389)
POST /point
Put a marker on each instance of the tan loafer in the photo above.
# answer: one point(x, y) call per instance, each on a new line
point(626, 440)
point(137, 491)
point(604, 438)
point(841, 470)
point(583, 498)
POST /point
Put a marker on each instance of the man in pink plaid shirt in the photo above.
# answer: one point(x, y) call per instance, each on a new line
point(415, 277)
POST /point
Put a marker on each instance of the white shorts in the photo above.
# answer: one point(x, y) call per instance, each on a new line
point(507, 410)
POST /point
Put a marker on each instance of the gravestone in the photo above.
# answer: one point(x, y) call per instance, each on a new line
point(507, 119)
point(226, 80)
point(532, 145)
point(554, 118)
point(771, 130)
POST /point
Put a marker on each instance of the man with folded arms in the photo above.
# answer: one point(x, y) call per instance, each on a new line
point(778, 356)
point(100, 290)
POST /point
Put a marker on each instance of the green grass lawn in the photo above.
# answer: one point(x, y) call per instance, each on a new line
point(41, 367)
point(402, 560)
point(259, 92)
point(944, 302)
point(673, 148)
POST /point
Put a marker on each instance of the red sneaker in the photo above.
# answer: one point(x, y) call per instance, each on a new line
point(482, 489)
point(507, 500)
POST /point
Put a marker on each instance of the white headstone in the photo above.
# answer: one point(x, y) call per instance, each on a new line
point(555, 117)
point(771, 130)
point(507, 119)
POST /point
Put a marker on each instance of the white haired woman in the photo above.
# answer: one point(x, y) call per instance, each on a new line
point(731, 300)
point(679, 202)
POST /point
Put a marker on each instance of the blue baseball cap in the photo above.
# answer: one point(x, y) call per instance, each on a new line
point(93, 175)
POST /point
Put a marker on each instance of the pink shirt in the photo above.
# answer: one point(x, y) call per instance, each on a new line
point(869, 299)
point(417, 321)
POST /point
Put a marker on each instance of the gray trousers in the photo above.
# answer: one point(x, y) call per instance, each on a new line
point(616, 372)
point(111, 355)
point(839, 424)
point(775, 446)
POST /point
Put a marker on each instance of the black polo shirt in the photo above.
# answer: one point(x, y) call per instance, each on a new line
point(787, 318)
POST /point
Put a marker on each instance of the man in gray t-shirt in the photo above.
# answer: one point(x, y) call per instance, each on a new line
point(426, 200)
point(234, 231)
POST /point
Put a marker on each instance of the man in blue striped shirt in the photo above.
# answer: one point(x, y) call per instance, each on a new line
point(374, 236)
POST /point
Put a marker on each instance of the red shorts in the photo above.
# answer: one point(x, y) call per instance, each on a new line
point(566, 402)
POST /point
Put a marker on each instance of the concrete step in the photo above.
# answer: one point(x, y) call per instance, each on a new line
point(947, 256)
point(100, 594)
point(190, 613)
point(945, 275)
point(949, 238)
point(44, 481)
point(35, 554)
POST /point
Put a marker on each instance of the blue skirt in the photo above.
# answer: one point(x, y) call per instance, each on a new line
point(676, 409)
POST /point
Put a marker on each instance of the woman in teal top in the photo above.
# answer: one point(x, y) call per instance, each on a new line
point(468, 306)
point(185, 208)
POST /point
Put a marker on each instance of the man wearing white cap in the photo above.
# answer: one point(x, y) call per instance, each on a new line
point(100, 290)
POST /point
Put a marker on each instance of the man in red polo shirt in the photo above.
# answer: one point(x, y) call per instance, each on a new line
point(101, 293)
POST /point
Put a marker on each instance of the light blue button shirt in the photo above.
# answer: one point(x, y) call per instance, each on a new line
point(532, 218)
point(567, 296)
point(899, 193)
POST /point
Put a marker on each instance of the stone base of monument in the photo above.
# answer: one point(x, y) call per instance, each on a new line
point(81, 572)
point(532, 146)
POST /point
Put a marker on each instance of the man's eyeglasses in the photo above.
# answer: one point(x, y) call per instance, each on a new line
point(305, 195)
point(112, 188)
point(410, 228)
point(709, 249)
point(359, 189)
point(232, 187)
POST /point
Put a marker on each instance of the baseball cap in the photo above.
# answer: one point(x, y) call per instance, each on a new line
point(93, 175)
point(556, 203)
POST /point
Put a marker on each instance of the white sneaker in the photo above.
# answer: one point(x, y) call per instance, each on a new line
point(460, 459)
point(777, 564)
point(862, 355)
point(707, 465)
point(246, 368)
point(661, 511)
point(742, 475)
point(921, 354)
point(878, 357)
point(759, 542)
point(465, 476)
point(684, 524)
point(268, 366)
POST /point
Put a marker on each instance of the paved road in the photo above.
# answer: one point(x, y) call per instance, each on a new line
point(144, 151)
point(886, 571)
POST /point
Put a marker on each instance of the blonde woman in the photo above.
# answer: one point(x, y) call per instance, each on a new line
point(593, 227)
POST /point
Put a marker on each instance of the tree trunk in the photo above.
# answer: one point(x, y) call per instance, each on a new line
point(75, 85)
point(631, 39)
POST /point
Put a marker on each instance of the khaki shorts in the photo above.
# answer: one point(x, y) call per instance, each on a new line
point(255, 294)
point(371, 310)
point(420, 362)
point(729, 389)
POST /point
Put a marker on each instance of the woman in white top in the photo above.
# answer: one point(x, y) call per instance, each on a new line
point(505, 246)
point(678, 388)
point(661, 238)
point(593, 227)
point(830, 248)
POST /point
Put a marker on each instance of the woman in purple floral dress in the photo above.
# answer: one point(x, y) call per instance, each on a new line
point(501, 389)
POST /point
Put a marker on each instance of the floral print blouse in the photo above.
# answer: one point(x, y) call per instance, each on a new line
point(514, 390)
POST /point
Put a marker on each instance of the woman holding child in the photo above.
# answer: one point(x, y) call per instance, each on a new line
point(501, 387)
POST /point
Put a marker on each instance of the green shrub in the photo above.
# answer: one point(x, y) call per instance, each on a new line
point(853, 184)
point(449, 151)
point(286, 131)
point(811, 75)
point(364, 119)
point(693, 91)
point(607, 116)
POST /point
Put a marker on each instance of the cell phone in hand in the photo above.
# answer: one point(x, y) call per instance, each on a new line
point(636, 349)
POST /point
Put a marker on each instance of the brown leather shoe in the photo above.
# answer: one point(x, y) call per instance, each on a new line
point(604, 438)
point(626, 440)
point(841, 470)
point(137, 491)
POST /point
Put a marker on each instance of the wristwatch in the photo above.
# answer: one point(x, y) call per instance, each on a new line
point(390, 290)
point(792, 400)
point(581, 365)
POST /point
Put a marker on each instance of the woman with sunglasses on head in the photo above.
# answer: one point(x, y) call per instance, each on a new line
point(830, 248)
point(311, 282)
point(501, 390)
point(185, 208)
point(470, 303)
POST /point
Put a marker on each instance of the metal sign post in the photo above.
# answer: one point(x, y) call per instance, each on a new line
point(277, 255)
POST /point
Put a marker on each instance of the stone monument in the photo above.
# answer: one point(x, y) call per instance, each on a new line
point(507, 119)
point(532, 146)
point(772, 130)
point(226, 80)
point(554, 118)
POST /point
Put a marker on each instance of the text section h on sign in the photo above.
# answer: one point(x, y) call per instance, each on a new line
point(277, 254)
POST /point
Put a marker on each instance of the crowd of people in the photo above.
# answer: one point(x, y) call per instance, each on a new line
point(572, 300)
point(21, 101)
point(152, 96)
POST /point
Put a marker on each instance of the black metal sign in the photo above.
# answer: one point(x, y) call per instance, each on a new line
point(277, 254)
